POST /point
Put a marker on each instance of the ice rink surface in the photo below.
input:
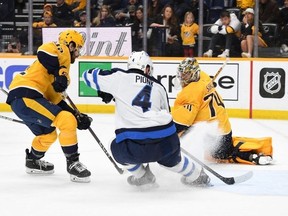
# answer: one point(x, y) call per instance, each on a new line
point(109, 194)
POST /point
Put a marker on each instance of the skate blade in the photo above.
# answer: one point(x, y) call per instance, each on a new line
point(74, 178)
point(38, 172)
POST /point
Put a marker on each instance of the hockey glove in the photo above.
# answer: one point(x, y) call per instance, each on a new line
point(106, 97)
point(83, 121)
point(60, 84)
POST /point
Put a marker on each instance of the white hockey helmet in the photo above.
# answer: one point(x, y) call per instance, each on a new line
point(140, 60)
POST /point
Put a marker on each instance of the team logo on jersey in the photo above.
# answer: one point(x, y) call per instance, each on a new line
point(272, 82)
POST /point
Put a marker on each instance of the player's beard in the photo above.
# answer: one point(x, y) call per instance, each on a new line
point(72, 56)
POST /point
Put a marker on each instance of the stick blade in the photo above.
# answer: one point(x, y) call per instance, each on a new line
point(238, 179)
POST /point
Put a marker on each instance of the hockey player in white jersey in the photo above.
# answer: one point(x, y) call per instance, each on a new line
point(145, 131)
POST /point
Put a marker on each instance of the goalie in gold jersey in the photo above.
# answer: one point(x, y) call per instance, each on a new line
point(199, 101)
point(35, 97)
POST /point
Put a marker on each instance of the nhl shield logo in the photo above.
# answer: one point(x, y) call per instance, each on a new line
point(272, 82)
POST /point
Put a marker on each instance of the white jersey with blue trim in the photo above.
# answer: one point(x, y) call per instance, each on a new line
point(142, 108)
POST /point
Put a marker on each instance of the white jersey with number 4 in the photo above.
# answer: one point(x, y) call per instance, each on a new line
point(142, 108)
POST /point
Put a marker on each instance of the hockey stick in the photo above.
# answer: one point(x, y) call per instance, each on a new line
point(210, 85)
point(11, 119)
point(121, 171)
point(4, 91)
point(226, 180)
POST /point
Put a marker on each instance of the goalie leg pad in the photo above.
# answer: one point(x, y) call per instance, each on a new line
point(245, 148)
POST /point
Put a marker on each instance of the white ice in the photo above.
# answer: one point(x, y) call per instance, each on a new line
point(109, 194)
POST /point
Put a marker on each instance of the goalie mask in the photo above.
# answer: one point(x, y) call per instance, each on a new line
point(188, 71)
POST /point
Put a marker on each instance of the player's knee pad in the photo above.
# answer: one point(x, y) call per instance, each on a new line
point(67, 124)
point(42, 143)
point(254, 145)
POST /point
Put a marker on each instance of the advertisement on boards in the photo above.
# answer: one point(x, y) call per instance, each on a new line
point(227, 83)
point(270, 90)
point(106, 41)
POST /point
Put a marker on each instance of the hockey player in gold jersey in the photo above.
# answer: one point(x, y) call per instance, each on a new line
point(35, 96)
point(198, 102)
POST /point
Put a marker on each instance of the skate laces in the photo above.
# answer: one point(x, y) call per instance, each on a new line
point(78, 166)
point(42, 163)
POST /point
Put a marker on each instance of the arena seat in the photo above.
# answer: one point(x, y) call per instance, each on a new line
point(270, 33)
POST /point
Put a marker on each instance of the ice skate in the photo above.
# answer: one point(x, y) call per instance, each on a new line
point(261, 159)
point(34, 166)
point(78, 172)
point(202, 181)
point(147, 179)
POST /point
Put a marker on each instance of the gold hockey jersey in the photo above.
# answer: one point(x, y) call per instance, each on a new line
point(197, 103)
point(52, 59)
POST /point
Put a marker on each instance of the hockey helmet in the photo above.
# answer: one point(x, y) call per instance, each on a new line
point(140, 60)
point(188, 71)
point(68, 36)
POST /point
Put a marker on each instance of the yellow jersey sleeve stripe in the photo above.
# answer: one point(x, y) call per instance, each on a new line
point(54, 55)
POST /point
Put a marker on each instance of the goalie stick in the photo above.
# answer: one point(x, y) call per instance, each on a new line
point(121, 171)
point(210, 85)
point(226, 180)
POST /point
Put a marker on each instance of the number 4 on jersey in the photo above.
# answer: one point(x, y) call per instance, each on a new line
point(142, 99)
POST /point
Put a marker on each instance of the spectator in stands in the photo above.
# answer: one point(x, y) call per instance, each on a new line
point(104, 18)
point(121, 15)
point(14, 46)
point(180, 8)
point(284, 28)
point(19, 5)
point(194, 8)
point(112, 4)
point(225, 31)
point(37, 31)
point(47, 7)
point(76, 5)
point(268, 11)
point(137, 31)
point(83, 20)
point(168, 19)
point(47, 21)
point(247, 34)
point(62, 14)
point(154, 8)
point(129, 21)
point(244, 4)
point(189, 30)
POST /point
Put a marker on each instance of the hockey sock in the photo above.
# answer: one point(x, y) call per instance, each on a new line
point(137, 170)
point(34, 154)
point(186, 168)
point(70, 150)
